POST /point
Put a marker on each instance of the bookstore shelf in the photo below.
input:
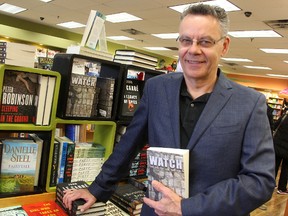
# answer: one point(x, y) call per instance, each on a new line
point(104, 134)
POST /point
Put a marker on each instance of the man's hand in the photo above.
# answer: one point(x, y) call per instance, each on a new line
point(169, 205)
point(72, 194)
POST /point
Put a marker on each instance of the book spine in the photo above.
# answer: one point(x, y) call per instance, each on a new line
point(62, 161)
point(122, 205)
point(69, 162)
point(55, 164)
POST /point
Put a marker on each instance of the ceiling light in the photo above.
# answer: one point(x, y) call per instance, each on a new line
point(275, 51)
point(11, 8)
point(119, 38)
point(121, 17)
point(254, 34)
point(286, 62)
point(257, 67)
point(71, 25)
point(156, 48)
point(277, 75)
point(46, 1)
point(226, 5)
point(236, 59)
point(167, 35)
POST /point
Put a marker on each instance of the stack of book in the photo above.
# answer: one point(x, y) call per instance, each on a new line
point(129, 198)
point(139, 164)
point(98, 208)
point(105, 102)
point(2, 52)
point(138, 59)
point(88, 160)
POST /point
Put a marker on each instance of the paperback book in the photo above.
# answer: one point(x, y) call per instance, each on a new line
point(170, 166)
point(13, 211)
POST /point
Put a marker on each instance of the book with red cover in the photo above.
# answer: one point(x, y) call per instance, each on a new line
point(47, 208)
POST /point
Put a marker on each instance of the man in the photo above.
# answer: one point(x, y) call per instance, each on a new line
point(223, 124)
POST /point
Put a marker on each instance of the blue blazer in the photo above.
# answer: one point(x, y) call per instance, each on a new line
point(231, 150)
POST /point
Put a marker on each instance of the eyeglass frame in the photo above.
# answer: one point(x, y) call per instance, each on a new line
point(198, 42)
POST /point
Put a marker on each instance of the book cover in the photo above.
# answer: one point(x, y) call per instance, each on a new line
point(81, 95)
point(170, 166)
point(19, 97)
point(41, 94)
point(113, 210)
point(131, 97)
point(47, 208)
point(55, 163)
point(49, 100)
point(130, 194)
point(19, 161)
point(13, 211)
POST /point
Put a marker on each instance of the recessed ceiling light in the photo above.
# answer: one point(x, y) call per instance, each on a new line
point(254, 34)
point(156, 48)
point(286, 62)
point(236, 59)
point(46, 1)
point(226, 5)
point(167, 35)
point(11, 8)
point(257, 67)
point(71, 25)
point(277, 51)
point(119, 38)
point(121, 17)
point(277, 75)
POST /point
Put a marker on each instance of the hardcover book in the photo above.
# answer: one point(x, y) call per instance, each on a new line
point(97, 208)
point(130, 195)
point(114, 210)
point(55, 164)
point(131, 97)
point(170, 166)
point(41, 93)
point(19, 163)
point(47, 208)
point(19, 97)
point(81, 94)
point(136, 54)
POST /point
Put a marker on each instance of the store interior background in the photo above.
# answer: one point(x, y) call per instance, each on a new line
point(37, 25)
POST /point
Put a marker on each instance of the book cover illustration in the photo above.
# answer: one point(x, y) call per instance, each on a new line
point(131, 97)
point(169, 166)
point(19, 97)
point(18, 168)
point(81, 94)
point(48, 208)
point(13, 211)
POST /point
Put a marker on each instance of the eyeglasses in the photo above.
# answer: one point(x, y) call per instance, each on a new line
point(204, 43)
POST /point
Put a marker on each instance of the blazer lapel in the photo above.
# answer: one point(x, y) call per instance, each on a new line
point(219, 97)
point(172, 89)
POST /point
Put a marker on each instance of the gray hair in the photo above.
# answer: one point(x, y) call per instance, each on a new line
point(207, 10)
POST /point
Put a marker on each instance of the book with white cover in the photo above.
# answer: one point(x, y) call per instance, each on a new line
point(170, 166)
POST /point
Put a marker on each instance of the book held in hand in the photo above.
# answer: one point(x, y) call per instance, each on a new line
point(170, 166)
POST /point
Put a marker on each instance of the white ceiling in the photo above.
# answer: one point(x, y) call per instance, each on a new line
point(158, 18)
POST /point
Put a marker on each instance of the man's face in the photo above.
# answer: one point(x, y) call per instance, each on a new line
point(200, 61)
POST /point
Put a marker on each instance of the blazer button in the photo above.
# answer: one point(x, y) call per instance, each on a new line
point(192, 105)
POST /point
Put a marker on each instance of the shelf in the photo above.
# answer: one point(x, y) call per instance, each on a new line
point(27, 199)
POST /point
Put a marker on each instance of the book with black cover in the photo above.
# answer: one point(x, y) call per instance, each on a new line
point(19, 97)
point(130, 195)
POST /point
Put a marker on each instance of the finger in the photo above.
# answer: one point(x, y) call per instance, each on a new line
point(159, 186)
point(151, 203)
